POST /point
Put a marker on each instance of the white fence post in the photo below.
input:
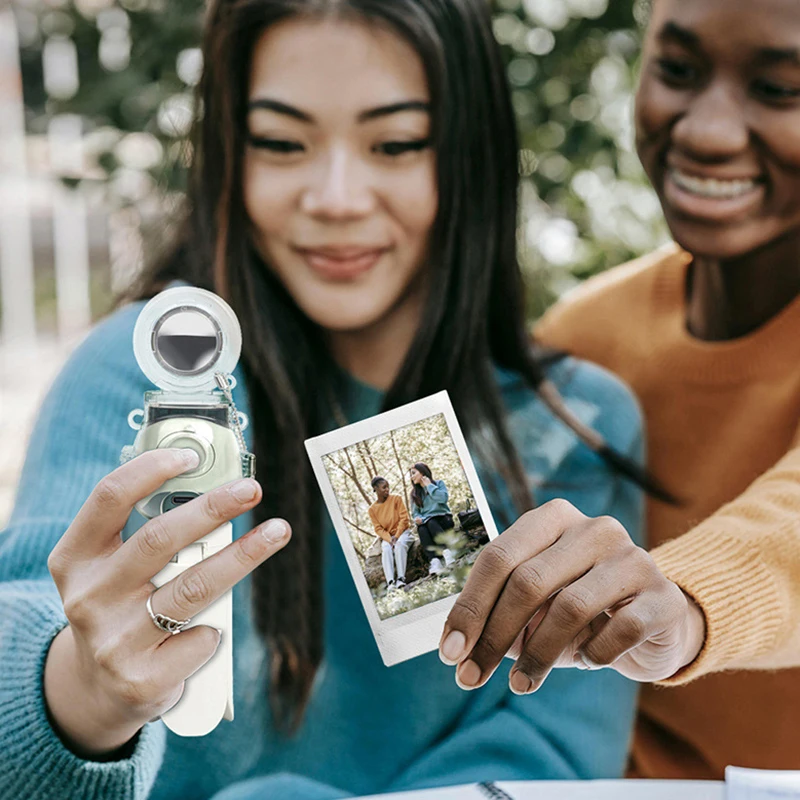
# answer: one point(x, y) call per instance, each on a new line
point(16, 249)
point(70, 228)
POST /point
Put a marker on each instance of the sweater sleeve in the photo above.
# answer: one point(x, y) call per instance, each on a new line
point(742, 567)
point(75, 442)
point(438, 491)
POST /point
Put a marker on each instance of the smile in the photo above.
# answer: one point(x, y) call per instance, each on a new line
point(712, 187)
point(715, 201)
point(341, 263)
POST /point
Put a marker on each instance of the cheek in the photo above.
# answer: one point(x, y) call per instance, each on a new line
point(268, 197)
point(412, 202)
point(781, 143)
point(656, 107)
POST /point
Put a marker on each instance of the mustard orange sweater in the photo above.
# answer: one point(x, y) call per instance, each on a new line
point(722, 430)
point(389, 518)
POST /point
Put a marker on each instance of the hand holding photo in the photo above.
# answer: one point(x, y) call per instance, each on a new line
point(410, 515)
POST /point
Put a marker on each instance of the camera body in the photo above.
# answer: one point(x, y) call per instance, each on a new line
point(200, 423)
point(188, 341)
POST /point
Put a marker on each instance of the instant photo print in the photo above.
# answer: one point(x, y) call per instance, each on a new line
point(410, 515)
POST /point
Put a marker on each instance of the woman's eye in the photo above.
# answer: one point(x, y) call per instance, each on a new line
point(398, 148)
point(775, 92)
point(676, 72)
point(275, 145)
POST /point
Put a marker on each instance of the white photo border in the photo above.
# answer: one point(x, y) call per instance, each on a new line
point(417, 631)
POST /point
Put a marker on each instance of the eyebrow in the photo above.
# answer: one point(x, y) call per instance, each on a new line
point(364, 116)
point(672, 30)
point(764, 55)
point(777, 55)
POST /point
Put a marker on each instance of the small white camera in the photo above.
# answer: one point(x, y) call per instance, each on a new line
point(187, 342)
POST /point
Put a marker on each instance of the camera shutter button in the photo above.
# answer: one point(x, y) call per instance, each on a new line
point(191, 441)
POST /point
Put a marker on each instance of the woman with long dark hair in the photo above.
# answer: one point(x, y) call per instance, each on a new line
point(349, 156)
point(431, 514)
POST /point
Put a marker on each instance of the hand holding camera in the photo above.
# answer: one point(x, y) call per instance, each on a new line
point(111, 670)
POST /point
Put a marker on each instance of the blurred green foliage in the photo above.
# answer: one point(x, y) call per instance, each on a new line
point(585, 204)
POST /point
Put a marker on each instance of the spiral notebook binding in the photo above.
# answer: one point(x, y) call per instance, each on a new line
point(493, 791)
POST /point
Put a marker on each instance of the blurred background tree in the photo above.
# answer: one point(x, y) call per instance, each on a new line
point(585, 204)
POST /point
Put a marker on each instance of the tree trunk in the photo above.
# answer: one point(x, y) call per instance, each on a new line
point(402, 473)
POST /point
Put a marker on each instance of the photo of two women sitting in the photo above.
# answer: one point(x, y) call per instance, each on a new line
point(431, 515)
point(415, 530)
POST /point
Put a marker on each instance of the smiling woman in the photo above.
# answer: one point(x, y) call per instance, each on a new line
point(343, 199)
point(708, 335)
point(718, 120)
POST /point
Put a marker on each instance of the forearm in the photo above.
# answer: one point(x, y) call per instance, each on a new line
point(742, 568)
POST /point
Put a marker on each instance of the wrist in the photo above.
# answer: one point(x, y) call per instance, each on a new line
point(695, 631)
point(83, 718)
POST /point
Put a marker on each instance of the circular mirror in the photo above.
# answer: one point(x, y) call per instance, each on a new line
point(183, 336)
point(187, 341)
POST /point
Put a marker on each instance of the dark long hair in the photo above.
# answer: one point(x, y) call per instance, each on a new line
point(417, 495)
point(474, 320)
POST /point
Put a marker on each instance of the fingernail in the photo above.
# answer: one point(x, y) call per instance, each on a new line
point(520, 683)
point(244, 490)
point(274, 530)
point(190, 457)
point(588, 663)
point(469, 674)
point(453, 647)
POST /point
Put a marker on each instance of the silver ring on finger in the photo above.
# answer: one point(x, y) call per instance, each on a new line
point(165, 623)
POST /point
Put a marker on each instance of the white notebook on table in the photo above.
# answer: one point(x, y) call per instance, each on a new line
point(569, 790)
point(762, 784)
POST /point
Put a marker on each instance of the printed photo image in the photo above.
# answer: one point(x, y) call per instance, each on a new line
point(410, 515)
point(409, 512)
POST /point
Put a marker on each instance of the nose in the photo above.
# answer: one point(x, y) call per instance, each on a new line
point(714, 127)
point(339, 189)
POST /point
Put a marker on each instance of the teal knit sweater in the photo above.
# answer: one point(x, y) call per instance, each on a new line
point(368, 728)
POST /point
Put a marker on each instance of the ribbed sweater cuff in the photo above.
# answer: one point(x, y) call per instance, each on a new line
point(741, 601)
point(34, 763)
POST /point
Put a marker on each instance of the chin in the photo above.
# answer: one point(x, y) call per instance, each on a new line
point(719, 242)
point(344, 315)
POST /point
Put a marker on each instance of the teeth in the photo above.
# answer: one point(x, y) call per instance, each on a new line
point(711, 187)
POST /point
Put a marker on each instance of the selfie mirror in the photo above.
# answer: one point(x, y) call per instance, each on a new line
point(185, 335)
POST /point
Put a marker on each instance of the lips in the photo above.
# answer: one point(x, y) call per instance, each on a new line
point(341, 263)
point(714, 198)
point(718, 189)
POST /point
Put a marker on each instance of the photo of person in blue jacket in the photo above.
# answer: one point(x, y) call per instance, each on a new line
point(432, 515)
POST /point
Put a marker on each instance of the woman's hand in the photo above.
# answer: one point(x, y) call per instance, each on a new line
point(561, 589)
point(425, 481)
point(418, 520)
point(111, 669)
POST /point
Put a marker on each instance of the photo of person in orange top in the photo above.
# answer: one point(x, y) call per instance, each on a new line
point(390, 520)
